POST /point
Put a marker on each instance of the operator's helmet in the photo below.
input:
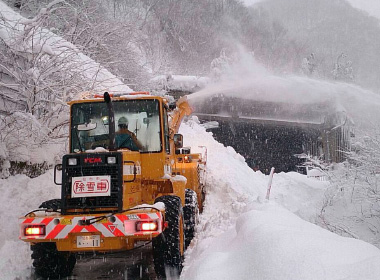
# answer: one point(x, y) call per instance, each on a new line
point(122, 122)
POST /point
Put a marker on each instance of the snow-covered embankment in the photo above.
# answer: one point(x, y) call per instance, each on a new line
point(242, 236)
point(20, 194)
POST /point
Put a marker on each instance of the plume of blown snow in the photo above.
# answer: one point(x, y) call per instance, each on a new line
point(247, 79)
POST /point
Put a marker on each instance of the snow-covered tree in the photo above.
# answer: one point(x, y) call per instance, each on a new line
point(220, 65)
point(355, 192)
point(309, 65)
point(40, 71)
point(343, 68)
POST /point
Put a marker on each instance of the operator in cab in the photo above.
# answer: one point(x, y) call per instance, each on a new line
point(125, 138)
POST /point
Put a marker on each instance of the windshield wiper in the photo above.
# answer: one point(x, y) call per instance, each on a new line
point(78, 138)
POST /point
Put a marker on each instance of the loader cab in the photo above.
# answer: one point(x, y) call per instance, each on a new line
point(90, 124)
point(148, 119)
point(130, 170)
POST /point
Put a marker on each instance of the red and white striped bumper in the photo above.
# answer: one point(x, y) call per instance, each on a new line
point(60, 227)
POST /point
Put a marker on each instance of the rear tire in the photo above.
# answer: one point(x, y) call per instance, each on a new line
point(168, 247)
point(50, 263)
point(190, 215)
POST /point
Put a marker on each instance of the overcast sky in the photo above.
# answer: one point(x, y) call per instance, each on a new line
point(370, 6)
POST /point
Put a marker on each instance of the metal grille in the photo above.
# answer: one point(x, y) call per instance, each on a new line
point(90, 203)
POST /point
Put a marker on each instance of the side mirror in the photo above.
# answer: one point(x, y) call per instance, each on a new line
point(178, 141)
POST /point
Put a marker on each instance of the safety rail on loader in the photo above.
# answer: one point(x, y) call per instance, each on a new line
point(126, 179)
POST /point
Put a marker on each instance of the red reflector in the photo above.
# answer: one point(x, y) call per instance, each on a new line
point(146, 226)
point(34, 230)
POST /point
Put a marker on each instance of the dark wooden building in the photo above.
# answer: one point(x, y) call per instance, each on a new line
point(273, 134)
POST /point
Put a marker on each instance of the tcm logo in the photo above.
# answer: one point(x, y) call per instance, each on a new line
point(93, 160)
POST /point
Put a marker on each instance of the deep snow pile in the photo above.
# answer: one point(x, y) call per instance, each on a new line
point(299, 194)
point(19, 195)
point(240, 235)
point(268, 242)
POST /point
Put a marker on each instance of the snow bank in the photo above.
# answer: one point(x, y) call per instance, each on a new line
point(299, 194)
point(241, 236)
point(19, 195)
point(268, 242)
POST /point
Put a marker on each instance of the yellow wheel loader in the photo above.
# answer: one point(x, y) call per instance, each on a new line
point(126, 179)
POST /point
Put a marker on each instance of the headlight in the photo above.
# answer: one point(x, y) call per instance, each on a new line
point(72, 161)
point(111, 160)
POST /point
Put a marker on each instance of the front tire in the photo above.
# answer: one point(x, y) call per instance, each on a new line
point(190, 215)
point(168, 247)
point(49, 262)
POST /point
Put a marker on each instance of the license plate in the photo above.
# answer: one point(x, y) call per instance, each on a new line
point(88, 241)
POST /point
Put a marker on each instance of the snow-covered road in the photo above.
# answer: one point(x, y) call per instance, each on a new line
point(240, 235)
